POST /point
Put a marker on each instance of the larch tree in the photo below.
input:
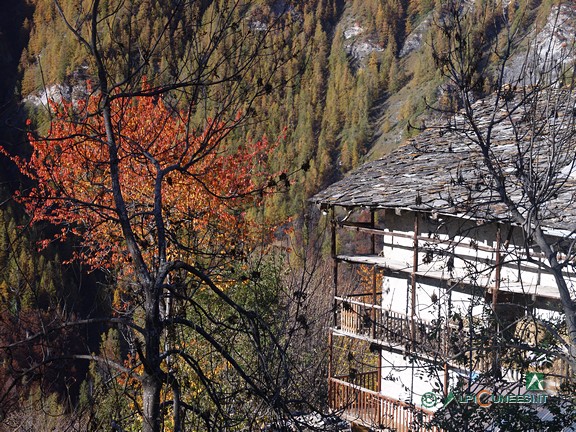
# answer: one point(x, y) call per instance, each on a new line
point(153, 182)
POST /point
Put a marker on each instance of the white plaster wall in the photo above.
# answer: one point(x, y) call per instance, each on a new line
point(460, 257)
point(395, 294)
point(432, 301)
point(401, 379)
point(407, 381)
point(429, 302)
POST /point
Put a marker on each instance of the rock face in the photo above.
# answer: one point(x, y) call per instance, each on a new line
point(361, 50)
point(556, 38)
point(73, 89)
point(358, 46)
point(550, 47)
point(413, 41)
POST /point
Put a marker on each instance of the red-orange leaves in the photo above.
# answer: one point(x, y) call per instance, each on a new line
point(201, 182)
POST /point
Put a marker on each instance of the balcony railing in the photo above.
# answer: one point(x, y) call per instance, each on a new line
point(361, 405)
point(369, 320)
point(446, 343)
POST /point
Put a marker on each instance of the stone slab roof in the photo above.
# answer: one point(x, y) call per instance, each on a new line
point(442, 170)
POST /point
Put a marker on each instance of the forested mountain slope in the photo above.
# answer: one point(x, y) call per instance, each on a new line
point(352, 80)
point(356, 73)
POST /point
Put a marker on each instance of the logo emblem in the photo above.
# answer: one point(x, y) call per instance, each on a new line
point(429, 399)
point(535, 381)
point(449, 399)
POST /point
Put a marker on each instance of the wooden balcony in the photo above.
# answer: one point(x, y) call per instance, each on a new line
point(394, 330)
point(357, 317)
point(370, 321)
point(367, 407)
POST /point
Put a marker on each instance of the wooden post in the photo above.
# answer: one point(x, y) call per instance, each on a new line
point(374, 274)
point(379, 388)
point(413, 281)
point(334, 265)
point(498, 264)
point(495, 289)
point(334, 307)
point(375, 299)
point(330, 367)
point(446, 379)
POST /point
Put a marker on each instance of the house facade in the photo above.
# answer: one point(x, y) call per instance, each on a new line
point(436, 290)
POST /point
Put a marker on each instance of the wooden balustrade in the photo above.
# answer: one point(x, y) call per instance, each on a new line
point(366, 380)
point(356, 317)
point(449, 342)
point(368, 407)
point(393, 327)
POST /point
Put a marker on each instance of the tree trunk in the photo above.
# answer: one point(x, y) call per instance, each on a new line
point(567, 302)
point(151, 387)
point(152, 376)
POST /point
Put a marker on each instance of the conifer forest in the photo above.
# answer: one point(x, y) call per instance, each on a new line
point(161, 265)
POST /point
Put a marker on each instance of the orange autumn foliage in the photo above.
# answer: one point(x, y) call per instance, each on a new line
point(207, 182)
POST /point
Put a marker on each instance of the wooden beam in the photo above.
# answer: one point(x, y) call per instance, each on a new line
point(498, 264)
point(333, 249)
point(413, 278)
point(374, 275)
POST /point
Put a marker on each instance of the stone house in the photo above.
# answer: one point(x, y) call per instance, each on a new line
point(435, 287)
